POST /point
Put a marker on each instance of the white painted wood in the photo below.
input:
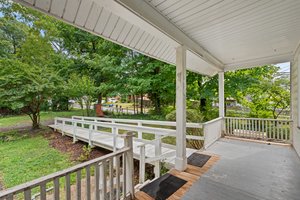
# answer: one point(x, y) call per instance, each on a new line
point(118, 189)
point(129, 165)
point(158, 152)
point(68, 186)
point(44, 5)
point(43, 191)
point(111, 179)
point(256, 128)
point(142, 167)
point(221, 95)
point(56, 188)
point(181, 159)
point(88, 182)
point(97, 181)
point(78, 185)
point(135, 121)
point(153, 16)
point(140, 133)
point(27, 194)
point(212, 131)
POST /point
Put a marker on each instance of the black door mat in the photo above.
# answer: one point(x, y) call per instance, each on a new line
point(163, 187)
point(197, 159)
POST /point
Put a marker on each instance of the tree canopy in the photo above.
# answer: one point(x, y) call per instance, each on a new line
point(45, 61)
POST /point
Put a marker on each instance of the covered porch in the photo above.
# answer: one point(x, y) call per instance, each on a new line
point(206, 37)
point(249, 170)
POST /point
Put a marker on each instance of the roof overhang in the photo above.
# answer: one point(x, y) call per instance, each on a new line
point(219, 35)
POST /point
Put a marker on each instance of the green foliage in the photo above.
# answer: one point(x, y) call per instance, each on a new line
point(192, 115)
point(87, 149)
point(26, 87)
point(83, 90)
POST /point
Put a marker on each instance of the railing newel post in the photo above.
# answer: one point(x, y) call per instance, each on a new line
point(129, 164)
point(158, 146)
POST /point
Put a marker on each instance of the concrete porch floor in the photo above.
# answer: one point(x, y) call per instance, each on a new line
point(249, 170)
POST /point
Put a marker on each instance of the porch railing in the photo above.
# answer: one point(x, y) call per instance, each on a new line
point(255, 128)
point(107, 177)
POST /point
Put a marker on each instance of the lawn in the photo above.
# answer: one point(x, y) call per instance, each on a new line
point(45, 116)
point(26, 156)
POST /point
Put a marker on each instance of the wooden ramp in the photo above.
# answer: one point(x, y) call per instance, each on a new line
point(106, 141)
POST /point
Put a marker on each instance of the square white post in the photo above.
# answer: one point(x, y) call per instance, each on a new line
point(221, 95)
point(181, 160)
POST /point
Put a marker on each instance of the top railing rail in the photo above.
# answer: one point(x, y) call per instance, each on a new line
point(137, 121)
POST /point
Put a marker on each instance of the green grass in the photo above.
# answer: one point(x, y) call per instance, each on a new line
point(25, 157)
point(25, 119)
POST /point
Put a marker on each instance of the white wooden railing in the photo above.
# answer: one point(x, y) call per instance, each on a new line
point(107, 177)
point(256, 128)
point(140, 127)
point(212, 131)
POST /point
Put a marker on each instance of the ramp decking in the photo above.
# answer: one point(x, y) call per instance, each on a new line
point(106, 141)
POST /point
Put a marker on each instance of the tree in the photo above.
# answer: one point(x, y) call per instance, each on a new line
point(26, 87)
point(270, 97)
point(82, 89)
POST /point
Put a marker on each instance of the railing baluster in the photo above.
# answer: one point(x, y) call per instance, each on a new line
point(56, 188)
point(27, 194)
point(118, 177)
point(157, 146)
point(68, 188)
point(78, 184)
point(140, 133)
point(263, 129)
point(90, 134)
point(277, 127)
point(9, 197)
point(103, 180)
point(74, 132)
point(97, 181)
point(111, 180)
point(88, 182)
point(124, 176)
point(43, 191)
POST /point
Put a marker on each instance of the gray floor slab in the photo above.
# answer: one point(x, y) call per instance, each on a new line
point(248, 170)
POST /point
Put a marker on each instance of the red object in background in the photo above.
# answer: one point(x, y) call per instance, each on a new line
point(99, 112)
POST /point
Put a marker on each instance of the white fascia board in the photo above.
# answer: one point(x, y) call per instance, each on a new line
point(156, 19)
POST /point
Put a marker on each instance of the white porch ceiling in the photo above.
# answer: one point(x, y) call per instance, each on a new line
point(219, 34)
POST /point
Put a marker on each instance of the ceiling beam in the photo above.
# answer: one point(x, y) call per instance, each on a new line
point(156, 19)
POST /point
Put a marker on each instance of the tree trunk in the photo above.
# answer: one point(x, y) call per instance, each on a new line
point(133, 104)
point(137, 103)
point(142, 102)
point(35, 121)
point(202, 105)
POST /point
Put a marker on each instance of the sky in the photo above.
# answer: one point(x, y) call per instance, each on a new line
point(284, 67)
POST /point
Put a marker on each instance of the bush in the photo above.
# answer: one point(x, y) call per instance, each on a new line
point(192, 115)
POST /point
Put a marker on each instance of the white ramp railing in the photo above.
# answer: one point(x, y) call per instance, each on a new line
point(107, 177)
point(257, 128)
point(160, 130)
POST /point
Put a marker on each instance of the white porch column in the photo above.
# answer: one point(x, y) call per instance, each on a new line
point(221, 95)
point(181, 160)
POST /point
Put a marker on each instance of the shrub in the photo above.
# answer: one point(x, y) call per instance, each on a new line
point(192, 115)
